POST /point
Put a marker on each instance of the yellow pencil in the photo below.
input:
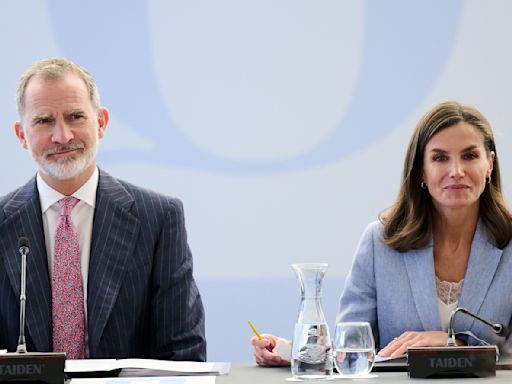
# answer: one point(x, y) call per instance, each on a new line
point(258, 335)
point(254, 330)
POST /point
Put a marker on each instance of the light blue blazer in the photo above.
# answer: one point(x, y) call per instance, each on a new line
point(396, 291)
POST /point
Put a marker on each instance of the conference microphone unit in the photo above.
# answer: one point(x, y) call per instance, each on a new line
point(453, 360)
point(499, 329)
point(30, 367)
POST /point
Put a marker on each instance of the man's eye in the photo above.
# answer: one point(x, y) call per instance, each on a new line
point(43, 120)
point(76, 116)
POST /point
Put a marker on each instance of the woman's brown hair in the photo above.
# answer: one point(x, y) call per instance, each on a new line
point(408, 222)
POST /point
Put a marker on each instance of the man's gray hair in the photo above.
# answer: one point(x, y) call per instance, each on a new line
point(54, 69)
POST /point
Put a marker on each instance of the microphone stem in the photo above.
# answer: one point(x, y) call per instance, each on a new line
point(476, 317)
point(22, 348)
point(451, 332)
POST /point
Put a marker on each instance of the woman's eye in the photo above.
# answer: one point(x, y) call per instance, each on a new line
point(470, 156)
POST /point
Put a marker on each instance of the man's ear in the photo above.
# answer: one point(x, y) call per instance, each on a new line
point(20, 133)
point(103, 117)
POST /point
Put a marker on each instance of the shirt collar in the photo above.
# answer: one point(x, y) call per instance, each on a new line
point(86, 193)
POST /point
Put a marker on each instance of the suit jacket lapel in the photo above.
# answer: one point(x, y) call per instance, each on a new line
point(420, 269)
point(24, 218)
point(114, 237)
point(483, 262)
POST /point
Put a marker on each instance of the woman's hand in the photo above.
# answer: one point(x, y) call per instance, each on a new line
point(398, 346)
point(264, 350)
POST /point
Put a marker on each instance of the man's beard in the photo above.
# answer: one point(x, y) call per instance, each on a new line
point(65, 168)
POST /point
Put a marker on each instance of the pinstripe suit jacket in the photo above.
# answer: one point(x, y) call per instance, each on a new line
point(396, 291)
point(142, 299)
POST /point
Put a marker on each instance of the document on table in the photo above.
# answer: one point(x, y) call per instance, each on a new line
point(148, 380)
point(147, 367)
point(379, 359)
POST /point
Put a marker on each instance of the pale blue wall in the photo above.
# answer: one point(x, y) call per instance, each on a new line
point(281, 124)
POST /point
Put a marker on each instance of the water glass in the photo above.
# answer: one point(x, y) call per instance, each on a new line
point(354, 348)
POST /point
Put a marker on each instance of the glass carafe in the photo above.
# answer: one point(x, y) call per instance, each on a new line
point(311, 345)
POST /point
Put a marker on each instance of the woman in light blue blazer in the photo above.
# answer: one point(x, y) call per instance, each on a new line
point(444, 243)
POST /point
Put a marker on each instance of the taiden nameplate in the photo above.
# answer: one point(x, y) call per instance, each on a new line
point(464, 361)
point(32, 367)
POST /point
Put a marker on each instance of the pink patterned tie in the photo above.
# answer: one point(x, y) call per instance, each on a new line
point(67, 291)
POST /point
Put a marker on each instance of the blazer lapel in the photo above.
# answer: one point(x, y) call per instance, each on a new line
point(483, 262)
point(420, 269)
point(114, 237)
point(24, 218)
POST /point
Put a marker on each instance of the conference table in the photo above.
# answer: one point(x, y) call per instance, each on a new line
point(252, 374)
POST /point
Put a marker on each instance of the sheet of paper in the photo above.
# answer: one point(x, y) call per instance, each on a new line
point(148, 367)
point(379, 359)
point(159, 380)
point(90, 365)
point(175, 366)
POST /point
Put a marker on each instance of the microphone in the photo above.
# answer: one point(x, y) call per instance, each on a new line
point(22, 366)
point(24, 248)
point(499, 329)
point(453, 360)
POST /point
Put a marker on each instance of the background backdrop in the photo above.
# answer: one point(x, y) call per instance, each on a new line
point(281, 124)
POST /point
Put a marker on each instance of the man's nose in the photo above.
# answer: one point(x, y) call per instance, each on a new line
point(62, 133)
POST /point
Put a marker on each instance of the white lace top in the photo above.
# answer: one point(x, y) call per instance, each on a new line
point(447, 298)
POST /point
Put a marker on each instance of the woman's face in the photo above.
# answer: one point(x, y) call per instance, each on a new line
point(455, 167)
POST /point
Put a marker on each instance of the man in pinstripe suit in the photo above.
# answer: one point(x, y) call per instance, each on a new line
point(140, 298)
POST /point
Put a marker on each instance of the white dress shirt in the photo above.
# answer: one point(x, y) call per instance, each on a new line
point(82, 216)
